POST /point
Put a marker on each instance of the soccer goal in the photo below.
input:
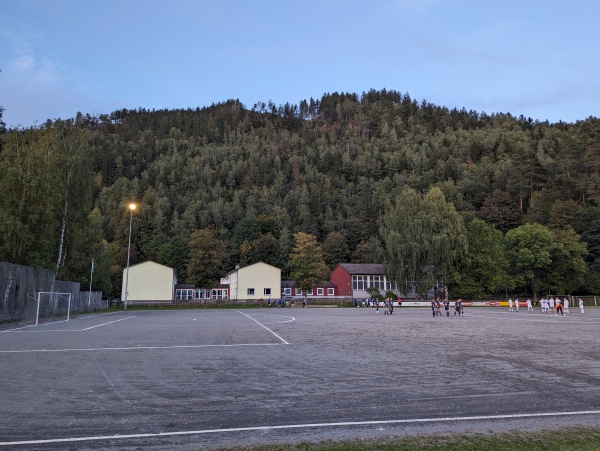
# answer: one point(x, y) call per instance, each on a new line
point(48, 306)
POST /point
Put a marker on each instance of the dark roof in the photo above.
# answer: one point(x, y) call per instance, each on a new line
point(181, 286)
point(367, 269)
point(292, 283)
point(188, 286)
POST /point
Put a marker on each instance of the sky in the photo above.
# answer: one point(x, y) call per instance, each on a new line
point(536, 58)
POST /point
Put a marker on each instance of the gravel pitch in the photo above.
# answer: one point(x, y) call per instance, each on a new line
point(197, 379)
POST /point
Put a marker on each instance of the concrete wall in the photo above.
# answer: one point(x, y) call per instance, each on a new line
point(20, 284)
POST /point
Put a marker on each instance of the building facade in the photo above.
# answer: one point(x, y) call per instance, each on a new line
point(353, 279)
point(149, 281)
point(254, 282)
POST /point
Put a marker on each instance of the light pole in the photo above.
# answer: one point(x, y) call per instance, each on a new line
point(132, 207)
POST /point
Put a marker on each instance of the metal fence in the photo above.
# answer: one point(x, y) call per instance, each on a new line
point(20, 284)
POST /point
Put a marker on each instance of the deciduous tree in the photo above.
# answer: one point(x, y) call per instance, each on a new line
point(424, 238)
point(529, 250)
point(306, 263)
point(207, 254)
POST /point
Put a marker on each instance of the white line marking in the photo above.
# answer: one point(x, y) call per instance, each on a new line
point(279, 322)
point(51, 323)
point(562, 320)
point(262, 325)
point(66, 330)
point(304, 426)
point(110, 322)
point(139, 348)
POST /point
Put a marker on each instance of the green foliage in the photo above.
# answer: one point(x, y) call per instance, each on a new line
point(424, 238)
point(529, 249)
point(485, 266)
point(207, 255)
point(328, 165)
point(568, 270)
point(306, 262)
point(374, 293)
point(500, 210)
point(370, 251)
point(335, 249)
point(45, 198)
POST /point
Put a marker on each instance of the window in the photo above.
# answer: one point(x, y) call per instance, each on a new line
point(198, 294)
point(184, 295)
point(287, 291)
point(298, 292)
point(320, 291)
point(220, 293)
point(330, 291)
point(377, 282)
point(358, 282)
point(267, 292)
point(250, 292)
point(309, 293)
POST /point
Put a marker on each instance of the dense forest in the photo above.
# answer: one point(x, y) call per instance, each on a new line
point(362, 173)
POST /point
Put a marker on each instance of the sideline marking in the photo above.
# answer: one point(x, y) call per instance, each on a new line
point(262, 325)
point(136, 348)
point(562, 320)
point(302, 426)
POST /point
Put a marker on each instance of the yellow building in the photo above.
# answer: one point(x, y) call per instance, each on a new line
point(149, 281)
point(256, 281)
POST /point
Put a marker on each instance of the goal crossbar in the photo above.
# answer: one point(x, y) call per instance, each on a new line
point(54, 295)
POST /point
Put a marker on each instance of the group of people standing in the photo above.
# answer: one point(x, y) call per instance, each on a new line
point(436, 307)
point(547, 304)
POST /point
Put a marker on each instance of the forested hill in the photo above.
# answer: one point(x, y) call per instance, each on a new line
point(330, 167)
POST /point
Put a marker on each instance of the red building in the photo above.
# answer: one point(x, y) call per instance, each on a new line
point(324, 290)
point(353, 279)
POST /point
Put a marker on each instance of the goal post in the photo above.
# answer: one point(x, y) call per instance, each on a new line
point(52, 306)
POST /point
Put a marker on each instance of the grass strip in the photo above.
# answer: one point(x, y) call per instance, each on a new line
point(570, 439)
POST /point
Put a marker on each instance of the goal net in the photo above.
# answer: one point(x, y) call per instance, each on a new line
point(47, 306)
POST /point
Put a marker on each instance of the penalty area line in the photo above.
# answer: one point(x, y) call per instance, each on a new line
point(300, 426)
point(262, 325)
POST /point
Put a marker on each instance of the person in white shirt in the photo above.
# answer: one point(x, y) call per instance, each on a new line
point(581, 305)
point(551, 303)
point(566, 305)
point(517, 304)
point(510, 305)
point(544, 303)
point(529, 306)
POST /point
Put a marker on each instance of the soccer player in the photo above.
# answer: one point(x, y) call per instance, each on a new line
point(581, 305)
point(510, 305)
point(517, 304)
point(559, 308)
point(458, 307)
point(529, 306)
point(566, 305)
